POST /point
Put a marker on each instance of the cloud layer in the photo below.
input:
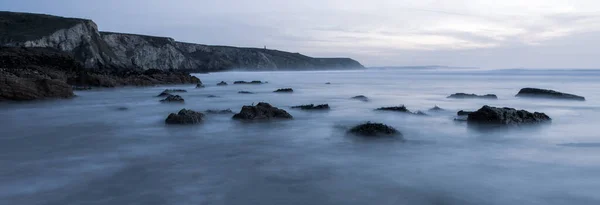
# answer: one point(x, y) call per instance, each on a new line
point(481, 33)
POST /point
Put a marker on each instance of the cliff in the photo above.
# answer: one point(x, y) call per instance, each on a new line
point(95, 49)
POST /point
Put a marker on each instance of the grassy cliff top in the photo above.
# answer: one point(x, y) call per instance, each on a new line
point(19, 27)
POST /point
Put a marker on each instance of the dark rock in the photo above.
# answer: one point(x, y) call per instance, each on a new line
point(245, 82)
point(212, 96)
point(199, 85)
point(312, 107)
point(542, 93)
point(245, 92)
point(465, 96)
point(463, 113)
point(173, 98)
point(256, 82)
point(185, 117)
point(227, 111)
point(327, 83)
point(222, 83)
point(82, 88)
point(361, 98)
point(506, 116)
point(436, 109)
point(421, 113)
point(395, 109)
point(374, 130)
point(122, 108)
point(164, 94)
point(284, 90)
point(175, 91)
point(261, 111)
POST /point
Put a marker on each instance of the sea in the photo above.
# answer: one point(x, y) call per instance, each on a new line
point(112, 146)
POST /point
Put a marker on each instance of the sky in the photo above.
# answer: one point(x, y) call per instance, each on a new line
point(465, 33)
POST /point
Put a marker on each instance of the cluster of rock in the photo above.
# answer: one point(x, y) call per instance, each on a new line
point(261, 111)
point(312, 107)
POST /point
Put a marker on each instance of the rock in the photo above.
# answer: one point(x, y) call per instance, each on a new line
point(122, 108)
point(312, 107)
point(463, 113)
point(284, 90)
point(261, 111)
point(421, 113)
point(167, 92)
point(222, 83)
point(542, 93)
point(82, 88)
point(199, 85)
point(173, 98)
point(185, 117)
point(361, 98)
point(465, 96)
point(227, 111)
point(327, 83)
point(506, 116)
point(374, 130)
point(395, 109)
point(436, 109)
point(212, 96)
point(252, 82)
point(164, 94)
point(245, 92)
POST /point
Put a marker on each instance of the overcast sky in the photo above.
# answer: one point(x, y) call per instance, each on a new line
point(474, 33)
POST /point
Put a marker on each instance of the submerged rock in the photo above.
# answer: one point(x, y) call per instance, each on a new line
point(122, 108)
point(543, 93)
point(361, 98)
point(466, 96)
point(401, 108)
point(173, 98)
point(227, 111)
point(436, 109)
point(185, 117)
point(284, 90)
point(374, 130)
point(261, 111)
point(327, 83)
point(506, 116)
point(312, 107)
point(245, 92)
point(212, 96)
point(222, 83)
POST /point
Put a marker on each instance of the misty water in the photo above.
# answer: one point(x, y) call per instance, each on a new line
point(88, 151)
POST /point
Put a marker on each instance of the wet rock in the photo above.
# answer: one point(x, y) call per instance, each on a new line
point(551, 94)
point(467, 96)
point(312, 107)
point(185, 116)
point(374, 130)
point(395, 109)
point(173, 98)
point(261, 111)
point(436, 109)
point(82, 88)
point(167, 92)
point(227, 111)
point(164, 94)
point(199, 85)
point(361, 98)
point(222, 83)
point(284, 90)
point(506, 116)
point(245, 82)
point(463, 113)
point(245, 92)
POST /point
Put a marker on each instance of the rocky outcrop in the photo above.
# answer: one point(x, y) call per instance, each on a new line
point(95, 49)
point(543, 93)
point(284, 90)
point(184, 117)
point(261, 111)
point(374, 130)
point(245, 92)
point(506, 116)
point(222, 83)
point(467, 96)
point(312, 107)
point(361, 98)
point(173, 99)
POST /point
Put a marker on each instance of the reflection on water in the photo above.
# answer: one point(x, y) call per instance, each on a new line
point(111, 146)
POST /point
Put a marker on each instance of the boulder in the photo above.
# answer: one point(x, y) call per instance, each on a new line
point(173, 98)
point(506, 116)
point(227, 111)
point(361, 98)
point(222, 83)
point(551, 94)
point(374, 130)
point(436, 109)
point(261, 111)
point(167, 92)
point(467, 96)
point(185, 117)
point(284, 90)
point(312, 107)
point(245, 92)
point(164, 94)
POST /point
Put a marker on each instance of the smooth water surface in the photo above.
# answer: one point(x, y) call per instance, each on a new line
point(88, 151)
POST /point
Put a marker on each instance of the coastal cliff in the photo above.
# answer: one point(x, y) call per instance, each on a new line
point(94, 49)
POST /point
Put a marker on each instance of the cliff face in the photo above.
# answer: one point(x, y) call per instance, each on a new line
point(95, 49)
